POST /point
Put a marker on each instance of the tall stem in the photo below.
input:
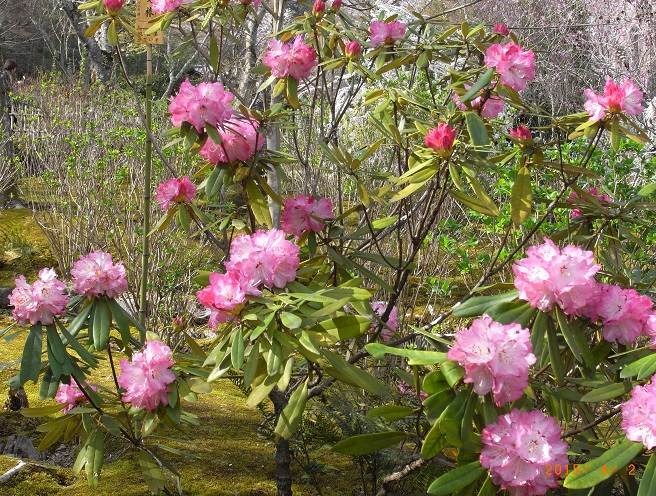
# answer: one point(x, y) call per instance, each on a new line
point(145, 253)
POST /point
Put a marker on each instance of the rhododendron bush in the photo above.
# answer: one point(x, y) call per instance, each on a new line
point(538, 377)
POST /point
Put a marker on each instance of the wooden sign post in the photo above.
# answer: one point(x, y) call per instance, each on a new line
point(144, 15)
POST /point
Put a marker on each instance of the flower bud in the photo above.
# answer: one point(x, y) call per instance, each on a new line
point(441, 139)
point(318, 9)
point(352, 50)
point(522, 133)
point(179, 324)
point(113, 5)
point(502, 29)
point(336, 5)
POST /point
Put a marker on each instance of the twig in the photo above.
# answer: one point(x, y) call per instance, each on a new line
point(11, 472)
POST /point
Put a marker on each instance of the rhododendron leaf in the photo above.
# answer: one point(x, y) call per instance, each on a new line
point(41, 411)
point(476, 129)
point(78, 322)
point(290, 320)
point(520, 312)
point(434, 443)
point(368, 443)
point(91, 30)
point(452, 371)
point(259, 392)
point(476, 204)
point(30, 366)
point(49, 385)
point(423, 59)
point(390, 413)
point(397, 62)
point(258, 204)
point(648, 482)
point(153, 475)
point(595, 471)
point(54, 430)
point(95, 456)
point(59, 359)
point(521, 197)
point(538, 331)
point(293, 413)
point(642, 368)
point(608, 392)
point(434, 382)
point(183, 218)
point(575, 339)
point(223, 366)
point(214, 55)
point(112, 37)
point(457, 479)
point(101, 324)
point(237, 351)
point(417, 357)
point(554, 353)
point(350, 374)
point(79, 349)
point(437, 402)
point(571, 169)
point(343, 326)
point(480, 83)
point(478, 305)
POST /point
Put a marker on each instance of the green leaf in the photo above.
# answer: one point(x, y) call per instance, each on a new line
point(615, 134)
point(647, 190)
point(41, 411)
point(520, 312)
point(31, 360)
point(417, 357)
point(456, 479)
point(478, 305)
point(453, 372)
point(521, 197)
point(554, 353)
point(641, 368)
point(112, 37)
point(184, 218)
point(214, 55)
point(390, 412)
point(608, 392)
point(59, 359)
point(595, 471)
point(648, 482)
point(292, 91)
point(79, 349)
point(434, 443)
point(350, 374)
point(101, 323)
point(477, 204)
point(155, 478)
point(290, 320)
point(259, 392)
point(293, 413)
point(343, 326)
point(476, 129)
point(237, 352)
point(575, 339)
point(258, 204)
point(480, 83)
point(95, 457)
point(214, 181)
point(54, 433)
point(368, 443)
point(49, 385)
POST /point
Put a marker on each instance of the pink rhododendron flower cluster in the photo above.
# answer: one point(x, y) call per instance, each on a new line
point(492, 106)
point(441, 139)
point(624, 313)
point(514, 64)
point(175, 191)
point(113, 5)
point(593, 191)
point(239, 141)
point(225, 297)
point(290, 59)
point(264, 258)
point(71, 395)
point(502, 29)
point(639, 415)
point(617, 98)
point(38, 302)
point(496, 358)
point(386, 32)
point(392, 321)
point(521, 133)
point(518, 448)
point(163, 6)
point(207, 103)
point(303, 214)
point(96, 275)
point(549, 275)
point(147, 377)
point(352, 50)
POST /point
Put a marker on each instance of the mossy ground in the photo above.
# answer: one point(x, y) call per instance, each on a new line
point(230, 459)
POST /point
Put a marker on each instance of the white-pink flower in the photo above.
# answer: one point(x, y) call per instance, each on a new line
point(496, 358)
point(175, 191)
point(639, 415)
point(386, 32)
point(514, 64)
point(517, 450)
point(392, 323)
point(38, 302)
point(264, 258)
point(548, 275)
point(71, 395)
point(225, 297)
point(603, 197)
point(207, 103)
point(617, 98)
point(294, 59)
point(302, 214)
point(239, 141)
point(147, 377)
point(96, 275)
point(163, 6)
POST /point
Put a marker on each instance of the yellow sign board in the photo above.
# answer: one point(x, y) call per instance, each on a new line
point(142, 24)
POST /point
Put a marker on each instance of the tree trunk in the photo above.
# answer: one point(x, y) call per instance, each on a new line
point(100, 60)
point(283, 454)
